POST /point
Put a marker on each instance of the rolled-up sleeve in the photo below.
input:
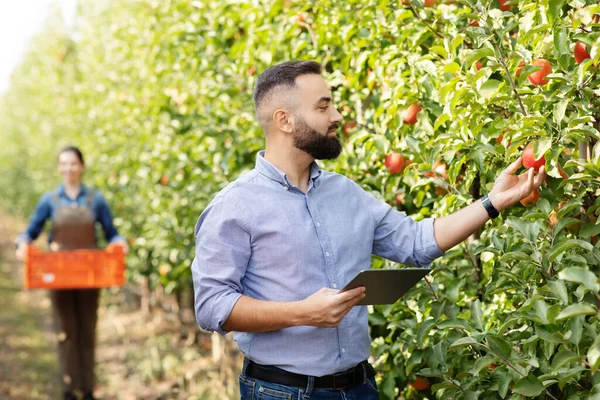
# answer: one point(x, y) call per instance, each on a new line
point(399, 238)
point(223, 247)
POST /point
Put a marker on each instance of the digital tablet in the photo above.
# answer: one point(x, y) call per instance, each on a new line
point(386, 286)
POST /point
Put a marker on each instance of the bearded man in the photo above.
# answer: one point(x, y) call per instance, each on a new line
point(274, 248)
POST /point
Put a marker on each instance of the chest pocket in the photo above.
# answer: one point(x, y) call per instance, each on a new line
point(73, 225)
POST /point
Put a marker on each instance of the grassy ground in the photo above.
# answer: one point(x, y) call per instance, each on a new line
point(29, 368)
point(140, 355)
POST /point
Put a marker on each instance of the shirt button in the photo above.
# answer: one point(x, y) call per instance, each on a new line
point(327, 254)
point(334, 286)
point(318, 224)
point(287, 187)
point(343, 350)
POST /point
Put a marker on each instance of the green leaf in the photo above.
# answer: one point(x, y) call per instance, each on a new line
point(430, 373)
point(593, 354)
point(454, 323)
point(530, 231)
point(439, 50)
point(442, 385)
point(590, 229)
point(568, 208)
point(561, 47)
point(489, 88)
point(554, 7)
point(462, 342)
point(564, 357)
point(478, 54)
point(424, 329)
point(482, 363)
point(542, 146)
point(560, 291)
point(440, 352)
point(476, 314)
point(500, 347)
point(541, 310)
point(576, 309)
point(548, 334)
point(529, 386)
point(575, 326)
point(562, 247)
point(443, 118)
point(388, 385)
point(380, 144)
point(581, 275)
point(452, 68)
point(559, 111)
point(544, 205)
point(376, 319)
point(502, 380)
point(563, 223)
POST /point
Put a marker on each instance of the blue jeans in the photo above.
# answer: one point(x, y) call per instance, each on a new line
point(254, 389)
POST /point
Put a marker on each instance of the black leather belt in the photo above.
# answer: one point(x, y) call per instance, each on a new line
point(341, 380)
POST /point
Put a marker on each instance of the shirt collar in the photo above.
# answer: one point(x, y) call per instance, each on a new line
point(62, 193)
point(272, 172)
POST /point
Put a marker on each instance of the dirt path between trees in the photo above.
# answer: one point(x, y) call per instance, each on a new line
point(140, 355)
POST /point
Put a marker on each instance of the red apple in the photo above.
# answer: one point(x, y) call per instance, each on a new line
point(580, 52)
point(440, 191)
point(394, 162)
point(501, 136)
point(478, 65)
point(439, 170)
point(348, 126)
point(430, 3)
point(164, 269)
point(504, 6)
point(419, 384)
point(410, 115)
point(474, 23)
point(538, 77)
point(529, 160)
point(400, 199)
point(532, 199)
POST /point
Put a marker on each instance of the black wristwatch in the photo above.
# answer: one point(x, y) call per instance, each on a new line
point(489, 207)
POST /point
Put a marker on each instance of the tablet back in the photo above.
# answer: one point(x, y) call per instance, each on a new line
point(386, 286)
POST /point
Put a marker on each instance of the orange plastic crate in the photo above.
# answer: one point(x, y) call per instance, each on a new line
point(74, 269)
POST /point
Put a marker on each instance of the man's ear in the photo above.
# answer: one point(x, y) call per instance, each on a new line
point(283, 120)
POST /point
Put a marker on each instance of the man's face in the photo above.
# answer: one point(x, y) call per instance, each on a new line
point(316, 120)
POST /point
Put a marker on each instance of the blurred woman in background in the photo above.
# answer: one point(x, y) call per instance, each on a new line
point(73, 210)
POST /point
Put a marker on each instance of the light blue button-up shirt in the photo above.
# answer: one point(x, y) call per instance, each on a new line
point(264, 238)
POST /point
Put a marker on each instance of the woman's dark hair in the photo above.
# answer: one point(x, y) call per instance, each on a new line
point(73, 150)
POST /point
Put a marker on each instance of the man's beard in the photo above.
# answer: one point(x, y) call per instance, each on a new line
point(321, 147)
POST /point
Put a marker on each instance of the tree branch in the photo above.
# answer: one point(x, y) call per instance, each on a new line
point(425, 22)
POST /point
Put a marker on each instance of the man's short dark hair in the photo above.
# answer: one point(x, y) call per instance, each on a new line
point(283, 74)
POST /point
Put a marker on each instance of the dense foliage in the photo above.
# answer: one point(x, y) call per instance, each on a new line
point(158, 95)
